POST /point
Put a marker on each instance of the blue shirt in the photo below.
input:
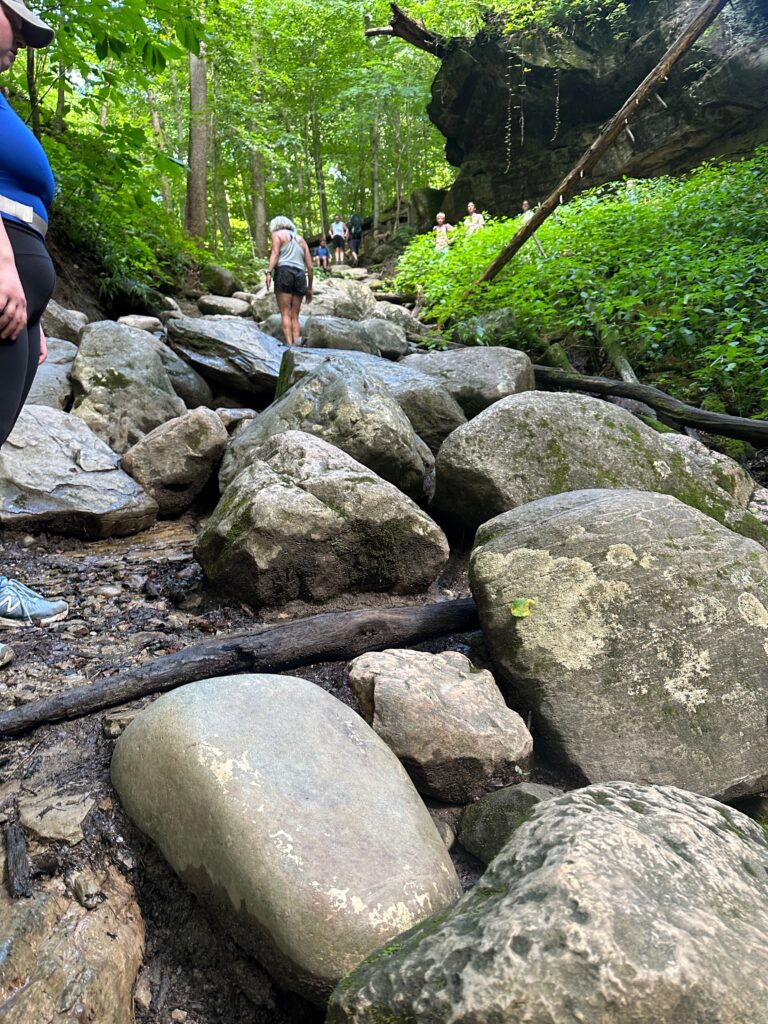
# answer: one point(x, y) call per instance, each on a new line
point(25, 174)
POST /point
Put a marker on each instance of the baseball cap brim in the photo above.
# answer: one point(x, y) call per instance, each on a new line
point(34, 30)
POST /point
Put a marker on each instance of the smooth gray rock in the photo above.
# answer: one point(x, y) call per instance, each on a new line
point(414, 329)
point(56, 474)
point(230, 354)
point(445, 720)
point(221, 305)
point(304, 520)
point(433, 413)
point(218, 280)
point(122, 390)
point(175, 461)
point(52, 385)
point(273, 325)
point(477, 377)
point(234, 418)
point(350, 409)
point(635, 628)
point(142, 323)
point(378, 337)
point(316, 847)
point(264, 305)
point(488, 824)
point(615, 904)
point(59, 322)
point(191, 388)
point(536, 443)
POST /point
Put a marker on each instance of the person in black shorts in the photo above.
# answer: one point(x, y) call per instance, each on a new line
point(339, 236)
point(290, 267)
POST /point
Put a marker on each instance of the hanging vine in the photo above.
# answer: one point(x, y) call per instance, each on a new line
point(557, 105)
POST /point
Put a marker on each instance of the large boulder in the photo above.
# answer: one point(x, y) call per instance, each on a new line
point(616, 904)
point(414, 329)
point(433, 413)
point(174, 461)
point(64, 962)
point(352, 410)
point(304, 520)
point(635, 629)
point(59, 322)
point(220, 305)
point(273, 325)
point(143, 322)
point(488, 824)
point(218, 280)
point(122, 390)
point(536, 443)
point(316, 847)
point(230, 354)
point(52, 384)
point(56, 474)
point(445, 720)
point(191, 388)
point(377, 337)
point(477, 377)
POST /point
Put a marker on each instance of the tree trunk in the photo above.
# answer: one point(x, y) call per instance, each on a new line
point(375, 182)
point(197, 176)
point(57, 124)
point(105, 103)
point(317, 156)
point(162, 143)
point(34, 102)
point(413, 32)
point(258, 201)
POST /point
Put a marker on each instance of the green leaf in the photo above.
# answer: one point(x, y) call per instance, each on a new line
point(521, 607)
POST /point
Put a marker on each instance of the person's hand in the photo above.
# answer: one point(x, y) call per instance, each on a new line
point(268, 280)
point(43, 348)
point(308, 296)
point(13, 302)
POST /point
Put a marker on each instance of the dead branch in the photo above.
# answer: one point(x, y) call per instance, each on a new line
point(414, 32)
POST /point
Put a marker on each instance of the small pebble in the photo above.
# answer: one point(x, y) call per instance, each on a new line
point(179, 1015)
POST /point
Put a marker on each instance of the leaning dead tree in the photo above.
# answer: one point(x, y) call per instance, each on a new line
point(414, 32)
point(618, 124)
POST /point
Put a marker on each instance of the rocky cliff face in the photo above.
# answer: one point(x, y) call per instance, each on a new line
point(518, 113)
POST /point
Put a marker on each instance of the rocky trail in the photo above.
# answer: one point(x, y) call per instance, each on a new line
point(230, 851)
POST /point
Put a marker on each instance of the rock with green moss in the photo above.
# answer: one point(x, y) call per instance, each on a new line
point(175, 461)
point(536, 443)
point(122, 390)
point(219, 280)
point(230, 354)
point(488, 824)
point(614, 904)
point(477, 377)
point(635, 629)
point(304, 520)
point(289, 817)
point(432, 411)
point(445, 720)
point(351, 409)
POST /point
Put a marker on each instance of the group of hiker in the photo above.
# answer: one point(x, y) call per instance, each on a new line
point(341, 237)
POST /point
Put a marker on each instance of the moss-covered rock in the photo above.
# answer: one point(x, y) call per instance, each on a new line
point(488, 825)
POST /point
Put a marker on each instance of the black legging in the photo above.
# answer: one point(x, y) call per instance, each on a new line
point(19, 358)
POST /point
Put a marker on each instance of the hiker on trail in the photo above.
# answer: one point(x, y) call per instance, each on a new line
point(441, 232)
point(527, 211)
point(27, 278)
point(355, 236)
point(321, 255)
point(290, 266)
point(339, 236)
point(474, 219)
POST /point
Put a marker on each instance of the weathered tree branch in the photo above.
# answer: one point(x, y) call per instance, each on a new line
point(673, 410)
point(706, 15)
point(414, 32)
point(332, 636)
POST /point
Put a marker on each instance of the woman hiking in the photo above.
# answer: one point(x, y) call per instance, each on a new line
point(27, 278)
point(290, 266)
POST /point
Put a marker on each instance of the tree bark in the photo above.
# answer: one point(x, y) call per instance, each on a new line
point(57, 124)
point(414, 32)
point(197, 176)
point(332, 636)
point(375, 173)
point(162, 143)
point(317, 156)
point(34, 102)
point(705, 16)
point(258, 200)
point(672, 409)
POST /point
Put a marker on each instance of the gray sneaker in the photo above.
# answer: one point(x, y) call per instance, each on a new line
point(6, 655)
point(20, 606)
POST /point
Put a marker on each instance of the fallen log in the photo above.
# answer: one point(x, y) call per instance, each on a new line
point(331, 636)
point(16, 860)
point(672, 409)
point(398, 298)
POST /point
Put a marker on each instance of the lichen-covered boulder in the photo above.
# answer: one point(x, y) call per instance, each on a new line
point(52, 384)
point(433, 412)
point(231, 354)
point(191, 388)
point(174, 461)
point(316, 848)
point(445, 720)
point(304, 520)
point(635, 629)
point(477, 377)
point(414, 329)
point(350, 409)
point(536, 443)
point(377, 337)
point(122, 390)
point(615, 904)
point(487, 825)
point(56, 474)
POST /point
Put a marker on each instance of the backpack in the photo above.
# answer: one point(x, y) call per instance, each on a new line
point(355, 226)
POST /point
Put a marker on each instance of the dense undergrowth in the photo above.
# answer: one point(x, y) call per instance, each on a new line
point(675, 268)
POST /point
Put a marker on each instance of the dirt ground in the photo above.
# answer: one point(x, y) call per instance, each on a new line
point(134, 599)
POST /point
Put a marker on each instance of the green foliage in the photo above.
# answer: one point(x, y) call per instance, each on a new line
point(674, 268)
